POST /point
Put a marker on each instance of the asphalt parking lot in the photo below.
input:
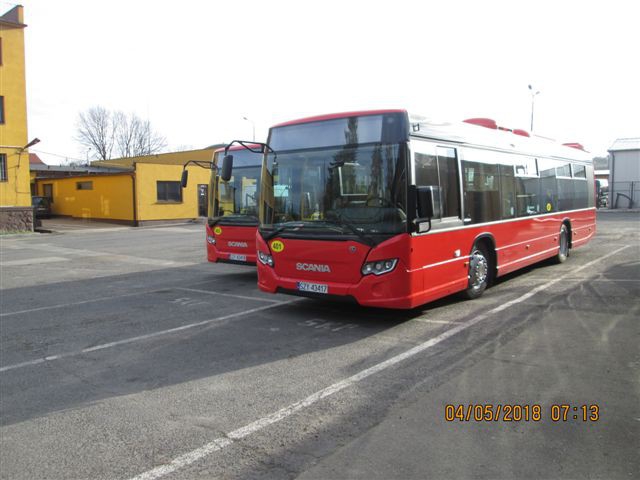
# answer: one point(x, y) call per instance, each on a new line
point(124, 354)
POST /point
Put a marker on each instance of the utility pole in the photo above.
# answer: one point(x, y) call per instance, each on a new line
point(533, 98)
point(253, 125)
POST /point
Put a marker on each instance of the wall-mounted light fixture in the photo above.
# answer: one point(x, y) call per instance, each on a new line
point(30, 144)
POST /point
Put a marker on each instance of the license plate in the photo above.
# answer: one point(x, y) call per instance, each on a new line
point(237, 257)
point(313, 287)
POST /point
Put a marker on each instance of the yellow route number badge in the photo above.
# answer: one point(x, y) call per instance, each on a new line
point(217, 230)
point(277, 246)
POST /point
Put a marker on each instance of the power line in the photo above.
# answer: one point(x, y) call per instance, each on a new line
point(58, 155)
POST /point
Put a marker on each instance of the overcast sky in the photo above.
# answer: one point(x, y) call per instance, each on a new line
point(195, 68)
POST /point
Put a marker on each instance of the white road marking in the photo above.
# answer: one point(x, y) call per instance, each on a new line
point(427, 320)
point(100, 299)
point(81, 302)
point(33, 261)
point(81, 252)
point(591, 279)
point(222, 442)
point(139, 338)
point(211, 292)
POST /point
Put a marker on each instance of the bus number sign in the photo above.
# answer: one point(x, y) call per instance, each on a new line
point(277, 246)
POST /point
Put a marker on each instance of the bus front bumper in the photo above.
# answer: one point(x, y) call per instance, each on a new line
point(391, 290)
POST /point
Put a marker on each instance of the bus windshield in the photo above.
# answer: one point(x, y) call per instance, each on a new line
point(237, 200)
point(349, 190)
point(344, 176)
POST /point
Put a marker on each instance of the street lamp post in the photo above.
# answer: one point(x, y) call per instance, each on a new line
point(253, 126)
point(533, 97)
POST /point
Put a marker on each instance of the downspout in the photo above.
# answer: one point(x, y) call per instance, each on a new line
point(612, 176)
point(135, 199)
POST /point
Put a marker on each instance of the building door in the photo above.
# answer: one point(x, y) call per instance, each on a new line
point(203, 194)
point(47, 191)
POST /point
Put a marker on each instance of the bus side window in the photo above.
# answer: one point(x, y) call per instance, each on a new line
point(441, 171)
point(548, 185)
point(449, 185)
point(507, 191)
point(426, 170)
point(527, 186)
point(481, 192)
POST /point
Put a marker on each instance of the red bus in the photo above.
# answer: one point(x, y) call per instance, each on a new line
point(233, 205)
point(393, 210)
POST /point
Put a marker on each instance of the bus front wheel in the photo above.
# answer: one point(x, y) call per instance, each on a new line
point(479, 270)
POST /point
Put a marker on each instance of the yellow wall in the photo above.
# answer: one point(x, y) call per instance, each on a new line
point(16, 190)
point(147, 176)
point(111, 197)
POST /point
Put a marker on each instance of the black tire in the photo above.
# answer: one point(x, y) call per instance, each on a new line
point(480, 268)
point(563, 244)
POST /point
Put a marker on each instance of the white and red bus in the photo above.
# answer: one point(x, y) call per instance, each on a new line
point(233, 205)
point(393, 210)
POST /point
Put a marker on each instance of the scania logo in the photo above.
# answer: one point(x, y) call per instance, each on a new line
point(313, 267)
point(238, 244)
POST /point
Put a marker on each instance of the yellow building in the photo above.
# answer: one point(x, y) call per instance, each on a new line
point(135, 191)
point(15, 193)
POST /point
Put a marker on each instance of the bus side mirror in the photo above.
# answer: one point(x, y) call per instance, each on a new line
point(227, 168)
point(185, 178)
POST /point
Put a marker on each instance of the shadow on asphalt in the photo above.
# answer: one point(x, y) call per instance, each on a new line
point(284, 332)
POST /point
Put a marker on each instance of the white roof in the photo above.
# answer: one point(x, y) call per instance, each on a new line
point(625, 144)
point(466, 133)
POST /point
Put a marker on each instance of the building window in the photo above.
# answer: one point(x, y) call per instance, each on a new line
point(1, 110)
point(84, 185)
point(3, 167)
point(169, 192)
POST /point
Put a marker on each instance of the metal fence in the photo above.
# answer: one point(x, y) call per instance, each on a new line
point(624, 195)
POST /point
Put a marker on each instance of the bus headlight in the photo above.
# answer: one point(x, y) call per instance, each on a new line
point(265, 259)
point(211, 239)
point(380, 267)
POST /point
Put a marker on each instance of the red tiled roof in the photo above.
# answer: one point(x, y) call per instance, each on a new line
point(34, 159)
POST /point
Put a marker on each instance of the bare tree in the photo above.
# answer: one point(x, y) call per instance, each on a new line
point(114, 132)
point(135, 137)
point(96, 131)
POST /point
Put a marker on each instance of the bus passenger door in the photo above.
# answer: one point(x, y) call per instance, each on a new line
point(438, 167)
point(202, 199)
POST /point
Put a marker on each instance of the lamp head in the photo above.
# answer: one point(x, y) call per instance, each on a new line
point(31, 143)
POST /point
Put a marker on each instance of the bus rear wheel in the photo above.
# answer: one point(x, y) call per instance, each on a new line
point(479, 271)
point(563, 245)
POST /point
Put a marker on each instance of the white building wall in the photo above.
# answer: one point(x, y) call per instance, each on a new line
point(624, 178)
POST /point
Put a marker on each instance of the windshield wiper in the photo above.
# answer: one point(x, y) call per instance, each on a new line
point(239, 218)
point(301, 224)
point(340, 222)
point(344, 223)
point(282, 228)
